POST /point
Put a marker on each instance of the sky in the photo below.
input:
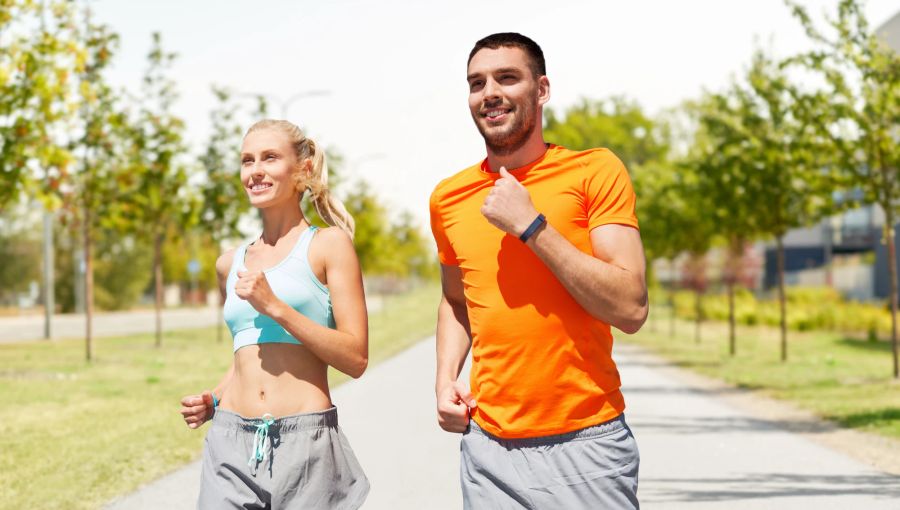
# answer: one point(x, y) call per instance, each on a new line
point(390, 75)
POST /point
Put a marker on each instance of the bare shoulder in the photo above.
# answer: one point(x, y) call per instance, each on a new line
point(333, 241)
point(223, 263)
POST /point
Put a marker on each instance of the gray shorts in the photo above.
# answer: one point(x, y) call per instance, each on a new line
point(592, 468)
point(298, 461)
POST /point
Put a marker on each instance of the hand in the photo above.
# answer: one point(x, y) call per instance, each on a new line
point(454, 404)
point(508, 206)
point(253, 287)
point(197, 409)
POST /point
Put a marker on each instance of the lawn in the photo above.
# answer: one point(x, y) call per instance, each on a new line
point(76, 434)
point(846, 380)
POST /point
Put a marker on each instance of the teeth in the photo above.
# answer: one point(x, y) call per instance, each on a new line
point(494, 113)
point(257, 187)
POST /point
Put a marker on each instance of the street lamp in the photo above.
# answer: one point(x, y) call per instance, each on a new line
point(264, 99)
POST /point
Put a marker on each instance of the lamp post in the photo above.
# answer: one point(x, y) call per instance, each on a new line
point(263, 100)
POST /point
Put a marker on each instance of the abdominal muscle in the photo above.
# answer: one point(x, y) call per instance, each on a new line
point(276, 379)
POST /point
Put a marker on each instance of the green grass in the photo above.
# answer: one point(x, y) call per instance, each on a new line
point(75, 435)
point(846, 380)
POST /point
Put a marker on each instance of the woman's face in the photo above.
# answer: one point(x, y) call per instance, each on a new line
point(268, 165)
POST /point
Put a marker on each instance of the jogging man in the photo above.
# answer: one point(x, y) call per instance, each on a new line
point(540, 254)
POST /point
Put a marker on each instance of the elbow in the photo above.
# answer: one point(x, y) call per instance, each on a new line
point(632, 321)
point(358, 367)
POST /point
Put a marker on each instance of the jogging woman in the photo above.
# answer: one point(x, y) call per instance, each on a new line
point(294, 303)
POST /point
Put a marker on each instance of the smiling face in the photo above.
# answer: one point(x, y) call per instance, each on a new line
point(505, 97)
point(268, 168)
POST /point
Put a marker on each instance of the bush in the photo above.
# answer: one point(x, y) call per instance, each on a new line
point(808, 308)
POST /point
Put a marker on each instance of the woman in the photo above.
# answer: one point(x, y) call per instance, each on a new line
point(294, 303)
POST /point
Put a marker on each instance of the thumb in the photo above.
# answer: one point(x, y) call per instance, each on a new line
point(241, 274)
point(505, 173)
point(207, 398)
point(465, 394)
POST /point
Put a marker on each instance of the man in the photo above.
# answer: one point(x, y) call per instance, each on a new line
point(540, 255)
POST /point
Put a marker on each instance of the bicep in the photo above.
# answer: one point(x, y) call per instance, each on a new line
point(345, 287)
point(620, 246)
point(452, 285)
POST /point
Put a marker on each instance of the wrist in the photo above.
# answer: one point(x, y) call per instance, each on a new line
point(533, 228)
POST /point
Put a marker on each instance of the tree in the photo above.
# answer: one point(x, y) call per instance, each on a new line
point(164, 203)
point(35, 67)
point(94, 190)
point(857, 110)
point(224, 199)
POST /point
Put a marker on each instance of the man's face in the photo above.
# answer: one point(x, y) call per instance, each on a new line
point(504, 97)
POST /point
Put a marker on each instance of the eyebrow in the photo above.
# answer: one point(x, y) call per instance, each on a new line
point(513, 70)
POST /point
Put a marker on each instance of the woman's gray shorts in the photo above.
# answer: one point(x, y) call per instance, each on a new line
point(307, 464)
point(595, 467)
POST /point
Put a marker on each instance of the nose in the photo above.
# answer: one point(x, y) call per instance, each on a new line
point(491, 89)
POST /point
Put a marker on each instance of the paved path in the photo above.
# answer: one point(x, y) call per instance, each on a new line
point(31, 327)
point(698, 448)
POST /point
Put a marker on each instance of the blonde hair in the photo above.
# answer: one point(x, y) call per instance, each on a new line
point(330, 209)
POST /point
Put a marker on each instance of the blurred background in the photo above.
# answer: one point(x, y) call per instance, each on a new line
point(763, 139)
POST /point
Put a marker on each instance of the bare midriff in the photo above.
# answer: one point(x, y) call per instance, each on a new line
point(276, 379)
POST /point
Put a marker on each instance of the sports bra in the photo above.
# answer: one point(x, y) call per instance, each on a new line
point(292, 281)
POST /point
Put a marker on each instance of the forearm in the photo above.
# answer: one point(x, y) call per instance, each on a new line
point(453, 342)
point(607, 292)
point(219, 390)
point(343, 350)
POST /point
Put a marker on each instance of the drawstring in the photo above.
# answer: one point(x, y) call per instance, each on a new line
point(259, 440)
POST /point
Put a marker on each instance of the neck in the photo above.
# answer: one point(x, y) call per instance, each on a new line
point(533, 148)
point(279, 220)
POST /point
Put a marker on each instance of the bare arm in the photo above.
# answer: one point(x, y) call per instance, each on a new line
point(346, 348)
point(611, 284)
point(197, 409)
point(454, 339)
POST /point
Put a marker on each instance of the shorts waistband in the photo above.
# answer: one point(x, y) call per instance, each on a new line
point(326, 418)
point(594, 431)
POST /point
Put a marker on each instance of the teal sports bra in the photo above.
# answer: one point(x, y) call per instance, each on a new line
point(293, 281)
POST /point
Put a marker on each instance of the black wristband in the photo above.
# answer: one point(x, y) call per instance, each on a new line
point(536, 224)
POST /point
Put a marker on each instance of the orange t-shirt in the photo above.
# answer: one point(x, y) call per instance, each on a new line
point(541, 365)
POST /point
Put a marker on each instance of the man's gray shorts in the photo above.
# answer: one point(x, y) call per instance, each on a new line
point(308, 464)
point(592, 468)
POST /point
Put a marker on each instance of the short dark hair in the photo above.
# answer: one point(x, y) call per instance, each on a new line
point(514, 40)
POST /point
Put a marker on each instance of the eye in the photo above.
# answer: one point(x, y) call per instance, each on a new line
point(246, 161)
point(476, 84)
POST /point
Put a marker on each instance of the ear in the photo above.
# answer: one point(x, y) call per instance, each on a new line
point(543, 90)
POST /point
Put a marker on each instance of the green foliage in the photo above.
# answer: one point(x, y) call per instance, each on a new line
point(616, 123)
point(817, 308)
point(384, 248)
point(20, 251)
point(40, 50)
point(224, 199)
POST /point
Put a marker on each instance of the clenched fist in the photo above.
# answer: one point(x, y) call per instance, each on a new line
point(253, 287)
point(508, 206)
point(454, 404)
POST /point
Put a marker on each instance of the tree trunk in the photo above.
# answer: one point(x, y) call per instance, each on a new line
point(892, 271)
point(88, 286)
point(698, 304)
point(49, 302)
point(781, 297)
point(731, 334)
point(671, 300)
point(158, 279)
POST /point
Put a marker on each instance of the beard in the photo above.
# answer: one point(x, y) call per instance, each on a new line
point(510, 138)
